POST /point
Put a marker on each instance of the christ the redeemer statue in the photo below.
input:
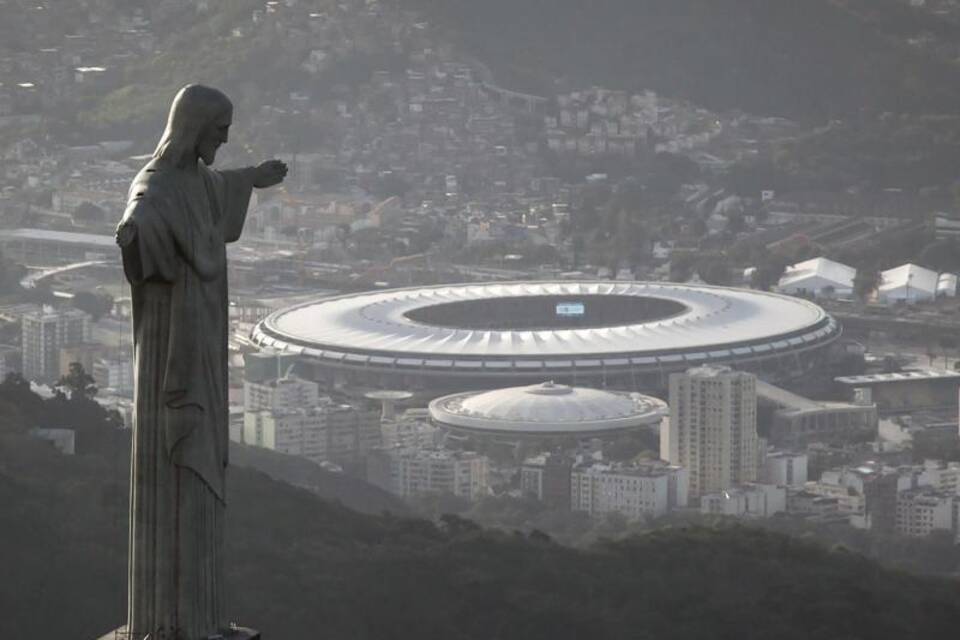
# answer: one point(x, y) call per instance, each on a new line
point(180, 214)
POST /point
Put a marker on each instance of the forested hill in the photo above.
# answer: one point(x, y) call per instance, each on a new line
point(807, 59)
point(300, 567)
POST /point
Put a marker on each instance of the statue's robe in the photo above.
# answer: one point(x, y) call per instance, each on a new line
point(173, 239)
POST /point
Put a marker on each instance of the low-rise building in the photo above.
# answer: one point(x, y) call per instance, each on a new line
point(282, 394)
point(415, 472)
point(329, 432)
point(797, 421)
point(749, 500)
point(925, 510)
point(547, 477)
point(635, 491)
point(784, 468)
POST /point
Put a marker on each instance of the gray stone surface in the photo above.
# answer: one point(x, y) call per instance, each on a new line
point(239, 633)
point(179, 217)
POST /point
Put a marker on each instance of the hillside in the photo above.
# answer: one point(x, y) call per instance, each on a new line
point(808, 60)
point(300, 567)
point(299, 472)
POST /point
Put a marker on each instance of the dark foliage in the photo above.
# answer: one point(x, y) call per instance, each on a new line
point(301, 567)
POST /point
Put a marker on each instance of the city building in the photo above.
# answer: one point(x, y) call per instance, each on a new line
point(299, 432)
point(267, 364)
point(748, 500)
point(114, 374)
point(325, 432)
point(814, 507)
point(796, 422)
point(50, 248)
point(634, 490)
point(547, 477)
point(412, 428)
point(415, 472)
point(905, 391)
point(712, 431)
point(281, 394)
point(785, 469)
point(867, 494)
point(925, 510)
point(44, 333)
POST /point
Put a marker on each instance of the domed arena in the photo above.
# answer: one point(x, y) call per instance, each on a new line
point(621, 335)
point(546, 412)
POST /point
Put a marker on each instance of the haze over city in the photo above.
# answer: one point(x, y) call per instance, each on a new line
point(413, 319)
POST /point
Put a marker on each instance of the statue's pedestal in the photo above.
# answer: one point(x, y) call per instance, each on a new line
point(240, 633)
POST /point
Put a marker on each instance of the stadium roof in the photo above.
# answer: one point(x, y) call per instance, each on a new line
point(714, 323)
point(547, 408)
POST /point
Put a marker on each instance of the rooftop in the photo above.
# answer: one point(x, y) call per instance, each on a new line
point(65, 237)
point(547, 408)
point(900, 376)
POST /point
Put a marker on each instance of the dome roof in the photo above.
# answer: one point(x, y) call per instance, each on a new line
point(547, 408)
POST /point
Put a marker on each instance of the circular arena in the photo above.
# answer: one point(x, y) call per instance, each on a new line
point(546, 414)
point(623, 335)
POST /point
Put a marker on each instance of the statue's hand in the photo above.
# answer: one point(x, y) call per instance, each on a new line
point(269, 173)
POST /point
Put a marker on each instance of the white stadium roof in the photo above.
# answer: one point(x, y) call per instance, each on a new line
point(712, 324)
point(547, 408)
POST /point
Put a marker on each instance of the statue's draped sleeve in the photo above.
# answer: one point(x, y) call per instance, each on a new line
point(232, 189)
point(148, 248)
point(173, 242)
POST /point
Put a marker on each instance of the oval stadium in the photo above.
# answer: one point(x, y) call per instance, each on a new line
point(623, 335)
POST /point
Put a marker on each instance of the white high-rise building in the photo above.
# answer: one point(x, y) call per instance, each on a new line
point(632, 490)
point(712, 431)
point(44, 333)
point(282, 394)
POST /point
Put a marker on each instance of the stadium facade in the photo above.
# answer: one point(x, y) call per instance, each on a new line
point(621, 335)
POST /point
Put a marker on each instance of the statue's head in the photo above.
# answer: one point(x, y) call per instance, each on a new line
point(198, 124)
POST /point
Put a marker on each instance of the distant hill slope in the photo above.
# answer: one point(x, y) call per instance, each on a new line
point(300, 567)
point(808, 59)
point(355, 494)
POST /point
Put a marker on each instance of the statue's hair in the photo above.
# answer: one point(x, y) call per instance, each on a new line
point(193, 107)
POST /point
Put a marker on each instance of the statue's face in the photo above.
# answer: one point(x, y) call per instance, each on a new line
point(214, 134)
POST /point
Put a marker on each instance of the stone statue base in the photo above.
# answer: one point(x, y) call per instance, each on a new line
point(239, 633)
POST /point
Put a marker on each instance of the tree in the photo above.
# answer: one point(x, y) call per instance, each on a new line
point(768, 272)
point(96, 304)
point(866, 282)
point(10, 274)
point(77, 384)
point(89, 213)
